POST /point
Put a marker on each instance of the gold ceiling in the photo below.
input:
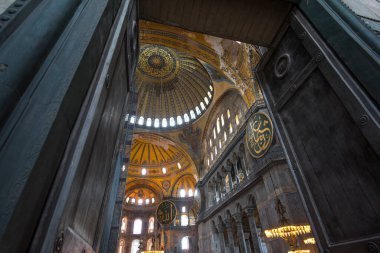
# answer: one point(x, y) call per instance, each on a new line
point(173, 88)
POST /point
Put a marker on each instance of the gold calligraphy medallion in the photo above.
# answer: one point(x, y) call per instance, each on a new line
point(259, 134)
point(166, 212)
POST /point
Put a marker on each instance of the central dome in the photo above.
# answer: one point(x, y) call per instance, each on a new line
point(173, 88)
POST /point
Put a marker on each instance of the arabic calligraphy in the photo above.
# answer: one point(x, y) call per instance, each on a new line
point(166, 212)
point(259, 134)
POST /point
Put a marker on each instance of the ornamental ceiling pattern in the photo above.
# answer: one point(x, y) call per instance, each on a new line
point(233, 59)
point(173, 88)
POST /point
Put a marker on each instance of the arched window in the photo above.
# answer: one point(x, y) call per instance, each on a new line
point(151, 225)
point(179, 120)
point(220, 144)
point(147, 201)
point(222, 119)
point(206, 100)
point(184, 220)
point(186, 117)
point(171, 122)
point(190, 192)
point(227, 180)
point(197, 110)
point(164, 122)
point(179, 166)
point(140, 202)
point(185, 243)
point(210, 143)
point(237, 119)
point(149, 244)
point(137, 226)
point(141, 121)
point(148, 122)
point(214, 133)
point(225, 136)
point(135, 246)
point(212, 157)
point(216, 151)
point(156, 123)
point(153, 200)
point(143, 171)
point(133, 200)
point(211, 87)
point(183, 209)
point(127, 199)
point(203, 106)
point(182, 193)
point(228, 113)
point(208, 162)
point(192, 114)
point(217, 125)
point(164, 170)
point(132, 120)
point(209, 94)
point(124, 225)
point(121, 246)
point(230, 128)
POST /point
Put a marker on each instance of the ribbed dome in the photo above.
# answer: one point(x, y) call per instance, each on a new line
point(173, 88)
point(153, 153)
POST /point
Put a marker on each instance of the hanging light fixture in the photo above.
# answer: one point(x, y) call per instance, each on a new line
point(287, 232)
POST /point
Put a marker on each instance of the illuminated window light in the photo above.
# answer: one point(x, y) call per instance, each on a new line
point(212, 157)
point(171, 122)
point(132, 120)
point(192, 114)
point(222, 119)
point(156, 123)
point(211, 88)
point(217, 125)
point(179, 165)
point(208, 162)
point(186, 117)
point(225, 136)
point(190, 192)
point(209, 94)
point(140, 202)
point(140, 121)
point(147, 201)
point(143, 171)
point(228, 113)
point(123, 168)
point(216, 151)
point(179, 120)
point(214, 133)
point(184, 221)
point(164, 170)
point(148, 122)
point(182, 193)
point(206, 100)
point(210, 143)
point(237, 119)
point(230, 128)
point(127, 199)
point(220, 144)
point(164, 122)
point(133, 200)
point(203, 106)
point(153, 200)
point(198, 110)
point(183, 209)
point(126, 117)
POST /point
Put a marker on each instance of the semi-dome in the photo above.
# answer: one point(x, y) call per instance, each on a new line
point(173, 88)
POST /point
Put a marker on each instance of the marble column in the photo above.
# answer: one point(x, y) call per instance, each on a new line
point(231, 243)
point(253, 229)
point(223, 186)
point(243, 165)
point(240, 232)
point(222, 243)
point(230, 179)
point(215, 239)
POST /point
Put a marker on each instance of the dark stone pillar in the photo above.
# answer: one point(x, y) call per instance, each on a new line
point(240, 232)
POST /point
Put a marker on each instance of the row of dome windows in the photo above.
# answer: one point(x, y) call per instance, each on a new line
point(182, 193)
point(164, 170)
point(140, 201)
point(135, 245)
point(172, 122)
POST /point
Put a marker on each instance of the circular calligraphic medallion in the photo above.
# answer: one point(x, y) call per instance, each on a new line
point(259, 134)
point(166, 212)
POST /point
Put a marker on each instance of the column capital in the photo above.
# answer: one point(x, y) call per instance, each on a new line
point(238, 217)
point(249, 210)
point(228, 223)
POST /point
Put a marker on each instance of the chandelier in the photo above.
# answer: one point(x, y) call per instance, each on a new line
point(310, 240)
point(286, 231)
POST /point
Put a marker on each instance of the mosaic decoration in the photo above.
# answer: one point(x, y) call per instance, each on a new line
point(166, 185)
point(166, 212)
point(158, 63)
point(259, 134)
